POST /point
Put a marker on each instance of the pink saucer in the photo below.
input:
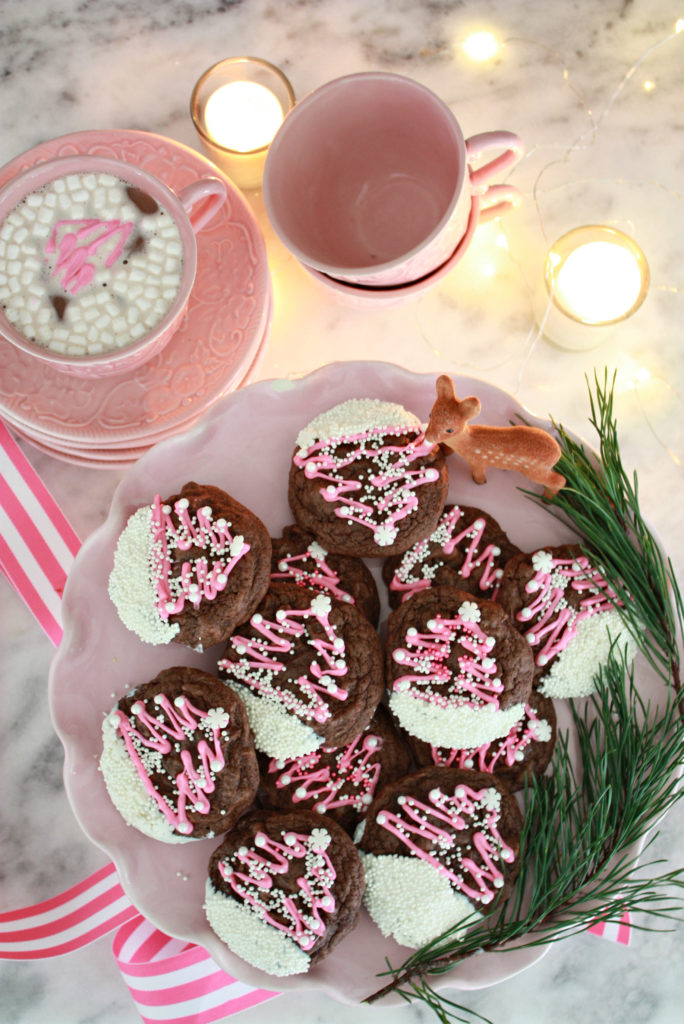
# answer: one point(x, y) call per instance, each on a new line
point(227, 321)
point(367, 297)
point(119, 456)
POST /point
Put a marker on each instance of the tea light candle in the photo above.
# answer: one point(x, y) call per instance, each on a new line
point(243, 116)
point(595, 277)
point(237, 107)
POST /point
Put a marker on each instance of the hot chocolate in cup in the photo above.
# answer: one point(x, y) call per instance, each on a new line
point(98, 261)
point(369, 179)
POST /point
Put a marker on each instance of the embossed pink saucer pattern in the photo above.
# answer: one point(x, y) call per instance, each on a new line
point(224, 330)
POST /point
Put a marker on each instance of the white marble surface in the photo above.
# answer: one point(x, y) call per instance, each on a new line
point(603, 144)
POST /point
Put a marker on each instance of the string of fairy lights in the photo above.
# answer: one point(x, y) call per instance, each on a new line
point(484, 46)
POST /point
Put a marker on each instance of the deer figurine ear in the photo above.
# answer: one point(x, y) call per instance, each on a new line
point(470, 407)
point(445, 387)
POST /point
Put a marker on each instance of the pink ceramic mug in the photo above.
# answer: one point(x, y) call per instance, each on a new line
point(368, 180)
point(99, 260)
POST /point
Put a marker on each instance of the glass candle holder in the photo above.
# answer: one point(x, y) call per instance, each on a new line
point(237, 106)
point(595, 277)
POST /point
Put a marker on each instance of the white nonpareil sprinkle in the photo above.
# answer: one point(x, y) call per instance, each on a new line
point(127, 791)
point(461, 727)
point(409, 900)
point(131, 587)
point(252, 939)
point(572, 672)
point(540, 729)
point(353, 417)
point(276, 732)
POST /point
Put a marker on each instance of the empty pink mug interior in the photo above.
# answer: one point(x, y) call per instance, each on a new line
point(364, 172)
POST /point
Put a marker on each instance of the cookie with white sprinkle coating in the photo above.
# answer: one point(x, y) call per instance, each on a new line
point(283, 889)
point(363, 480)
point(568, 614)
point(458, 672)
point(308, 669)
point(178, 756)
point(339, 782)
point(439, 849)
point(467, 549)
point(189, 568)
point(297, 557)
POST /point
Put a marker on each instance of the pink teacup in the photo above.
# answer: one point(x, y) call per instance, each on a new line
point(368, 180)
point(98, 258)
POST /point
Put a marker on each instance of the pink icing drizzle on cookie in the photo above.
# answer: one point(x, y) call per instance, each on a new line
point(464, 809)
point(475, 684)
point(354, 767)
point(198, 581)
point(407, 583)
point(556, 621)
point(387, 497)
point(177, 721)
point(259, 665)
point(322, 577)
point(251, 874)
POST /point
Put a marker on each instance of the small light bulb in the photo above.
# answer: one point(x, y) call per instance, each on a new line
point(481, 46)
point(649, 86)
point(679, 25)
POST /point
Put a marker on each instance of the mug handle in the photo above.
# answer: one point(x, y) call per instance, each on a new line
point(499, 199)
point(213, 190)
point(506, 196)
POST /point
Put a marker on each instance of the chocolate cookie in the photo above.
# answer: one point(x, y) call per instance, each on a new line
point(339, 782)
point(566, 611)
point(525, 751)
point(190, 568)
point(297, 557)
point(364, 482)
point(284, 889)
point(308, 669)
point(457, 672)
point(178, 757)
point(439, 849)
point(468, 549)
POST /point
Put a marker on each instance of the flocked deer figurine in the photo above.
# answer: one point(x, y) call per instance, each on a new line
point(527, 450)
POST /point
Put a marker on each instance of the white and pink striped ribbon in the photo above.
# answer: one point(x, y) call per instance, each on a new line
point(171, 982)
point(66, 922)
point(160, 970)
point(37, 544)
point(616, 931)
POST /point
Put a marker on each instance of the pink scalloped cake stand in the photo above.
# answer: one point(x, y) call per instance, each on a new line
point(225, 327)
point(99, 659)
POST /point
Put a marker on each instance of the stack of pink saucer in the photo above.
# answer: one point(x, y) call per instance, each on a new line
point(109, 422)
